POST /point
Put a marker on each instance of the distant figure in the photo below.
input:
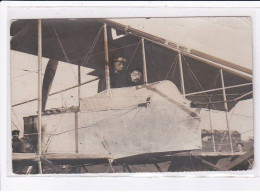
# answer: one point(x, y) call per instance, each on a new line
point(239, 147)
point(16, 142)
point(20, 145)
point(135, 77)
point(205, 135)
point(118, 75)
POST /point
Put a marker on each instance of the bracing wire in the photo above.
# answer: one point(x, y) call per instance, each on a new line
point(65, 55)
point(188, 65)
point(133, 55)
point(171, 67)
point(87, 57)
point(174, 71)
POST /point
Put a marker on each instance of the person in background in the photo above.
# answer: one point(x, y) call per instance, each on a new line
point(20, 145)
point(239, 147)
point(16, 142)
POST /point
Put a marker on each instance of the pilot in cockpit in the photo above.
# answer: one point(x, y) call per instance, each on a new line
point(134, 78)
point(118, 75)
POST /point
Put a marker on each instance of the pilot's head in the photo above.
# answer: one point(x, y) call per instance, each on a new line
point(136, 75)
point(119, 64)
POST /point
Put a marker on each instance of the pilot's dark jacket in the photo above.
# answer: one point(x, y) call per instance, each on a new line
point(117, 80)
point(17, 145)
point(20, 145)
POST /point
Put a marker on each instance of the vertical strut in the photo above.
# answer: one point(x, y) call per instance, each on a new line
point(181, 75)
point(79, 82)
point(76, 113)
point(144, 62)
point(106, 60)
point(76, 132)
point(212, 132)
point(226, 109)
point(39, 94)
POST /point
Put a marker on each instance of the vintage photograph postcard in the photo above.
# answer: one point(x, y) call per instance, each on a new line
point(131, 95)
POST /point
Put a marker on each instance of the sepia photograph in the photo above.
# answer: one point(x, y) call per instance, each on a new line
point(131, 95)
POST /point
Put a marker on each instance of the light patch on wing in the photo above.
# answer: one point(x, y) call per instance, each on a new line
point(114, 34)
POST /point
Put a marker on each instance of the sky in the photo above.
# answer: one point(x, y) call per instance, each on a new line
point(207, 35)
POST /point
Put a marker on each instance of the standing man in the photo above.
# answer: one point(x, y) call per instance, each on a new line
point(239, 147)
point(20, 145)
point(17, 144)
point(118, 75)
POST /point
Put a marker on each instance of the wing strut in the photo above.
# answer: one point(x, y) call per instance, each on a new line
point(106, 60)
point(79, 82)
point(181, 75)
point(212, 132)
point(39, 123)
point(226, 108)
point(144, 63)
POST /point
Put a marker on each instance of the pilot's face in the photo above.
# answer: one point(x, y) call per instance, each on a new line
point(119, 64)
point(136, 76)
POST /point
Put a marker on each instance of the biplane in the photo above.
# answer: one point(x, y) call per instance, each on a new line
point(125, 129)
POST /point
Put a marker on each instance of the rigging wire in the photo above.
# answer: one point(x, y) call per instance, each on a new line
point(232, 113)
point(133, 55)
point(188, 65)
point(152, 60)
point(214, 84)
point(87, 57)
point(174, 71)
point(247, 131)
point(171, 67)
point(222, 140)
point(149, 52)
point(49, 138)
point(16, 126)
point(64, 53)
point(194, 81)
point(213, 137)
point(233, 94)
point(19, 123)
point(212, 87)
